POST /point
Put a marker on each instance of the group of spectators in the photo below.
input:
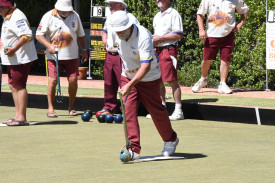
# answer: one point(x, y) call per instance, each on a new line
point(137, 62)
point(60, 31)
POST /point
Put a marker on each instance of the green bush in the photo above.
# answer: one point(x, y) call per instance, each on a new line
point(98, 70)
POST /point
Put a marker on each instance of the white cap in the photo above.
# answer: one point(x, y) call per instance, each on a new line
point(119, 1)
point(64, 5)
point(119, 21)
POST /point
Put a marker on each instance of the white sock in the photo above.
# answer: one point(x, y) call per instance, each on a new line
point(177, 107)
point(203, 78)
point(164, 104)
point(222, 83)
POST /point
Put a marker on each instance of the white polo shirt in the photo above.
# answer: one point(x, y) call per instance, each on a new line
point(15, 25)
point(138, 49)
point(110, 47)
point(61, 32)
point(167, 22)
point(221, 18)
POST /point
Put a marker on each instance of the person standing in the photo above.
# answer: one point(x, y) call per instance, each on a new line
point(168, 30)
point(140, 80)
point(113, 62)
point(17, 52)
point(62, 28)
point(219, 35)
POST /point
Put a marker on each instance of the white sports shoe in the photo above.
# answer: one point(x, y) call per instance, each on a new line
point(134, 156)
point(169, 148)
point(148, 116)
point(224, 89)
point(177, 115)
point(198, 85)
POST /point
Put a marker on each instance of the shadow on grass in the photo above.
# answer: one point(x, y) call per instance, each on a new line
point(203, 100)
point(190, 155)
point(54, 123)
point(239, 90)
point(41, 102)
point(176, 156)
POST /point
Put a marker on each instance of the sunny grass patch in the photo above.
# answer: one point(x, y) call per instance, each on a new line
point(226, 100)
point(211, 99)
point(64, 90)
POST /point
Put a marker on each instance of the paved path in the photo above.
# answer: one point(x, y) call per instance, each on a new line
point(42, 80)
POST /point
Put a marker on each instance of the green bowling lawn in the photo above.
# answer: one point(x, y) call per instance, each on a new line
point(67, 150)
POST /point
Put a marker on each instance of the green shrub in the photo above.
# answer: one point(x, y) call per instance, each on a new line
point(98, 70)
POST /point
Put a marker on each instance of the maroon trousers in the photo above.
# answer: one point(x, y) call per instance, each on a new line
point(149, 94)
point(112, 80)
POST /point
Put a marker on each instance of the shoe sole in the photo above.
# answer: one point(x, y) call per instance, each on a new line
point(224, 92)
point(176, 119)
point(182, 118)
point(198, 89)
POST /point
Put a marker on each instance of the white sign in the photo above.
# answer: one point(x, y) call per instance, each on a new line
point(270, 41)
point(97, 11)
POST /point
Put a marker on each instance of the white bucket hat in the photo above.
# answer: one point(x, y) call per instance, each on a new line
point(119, 1)
point(119, 21)
point(64, 5)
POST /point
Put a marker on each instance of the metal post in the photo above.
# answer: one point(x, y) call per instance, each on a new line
point(89, 67)
point(266, 84)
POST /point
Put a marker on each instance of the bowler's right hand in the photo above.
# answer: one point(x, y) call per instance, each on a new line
point(51, 48)
point(202, 35)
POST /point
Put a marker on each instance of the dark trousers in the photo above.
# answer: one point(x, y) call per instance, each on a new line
point(112, 80)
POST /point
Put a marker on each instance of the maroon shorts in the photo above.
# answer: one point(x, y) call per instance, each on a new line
point(225, 44)
point(18, 75)
point(167, 69)
point(70, 66)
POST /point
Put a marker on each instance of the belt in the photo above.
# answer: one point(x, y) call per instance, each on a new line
point(166, 47)
point(113, 53)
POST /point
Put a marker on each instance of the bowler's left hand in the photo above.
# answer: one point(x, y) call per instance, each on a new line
point(156, 39)
point(237, 28)
point(125, 89)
